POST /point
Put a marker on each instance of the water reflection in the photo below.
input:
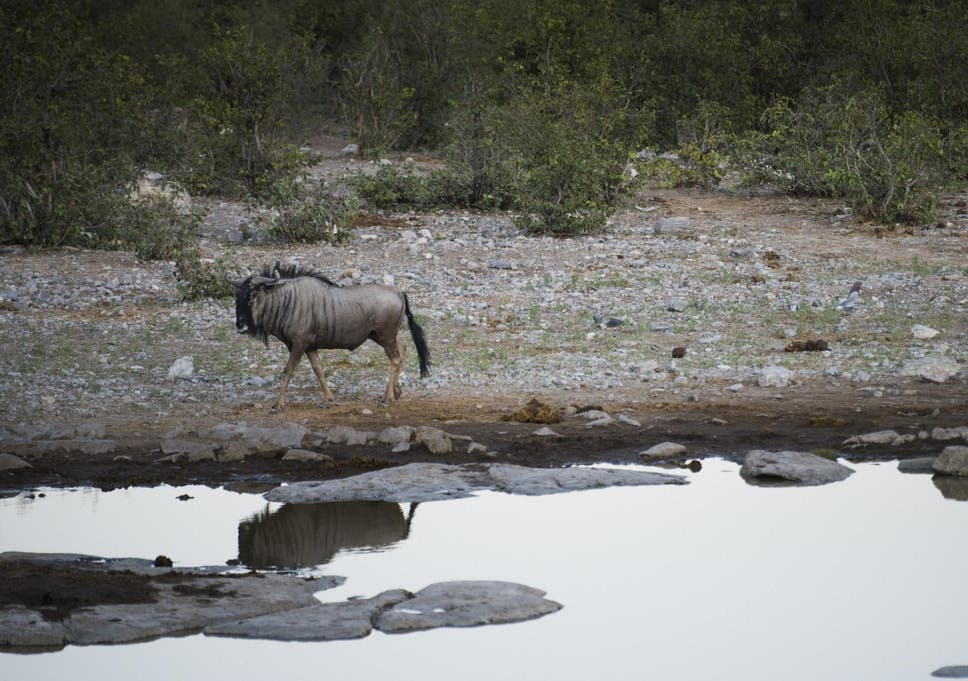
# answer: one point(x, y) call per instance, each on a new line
point(952, 487)
point(301, 535)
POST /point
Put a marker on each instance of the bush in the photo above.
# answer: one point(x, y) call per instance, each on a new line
point(393, 187)
point(204, 277)
point(306, 215)
point(71, 127)
point(155, 229)
point(698, 161)
point(835, 143)
point(568, 153)
point(242, 93)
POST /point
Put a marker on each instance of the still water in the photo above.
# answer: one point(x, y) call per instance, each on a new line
point(858, 580)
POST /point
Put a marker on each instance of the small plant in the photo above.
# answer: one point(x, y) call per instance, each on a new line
point(204, 277)
point(156, 229)
point(307, 215)
point(697, 161)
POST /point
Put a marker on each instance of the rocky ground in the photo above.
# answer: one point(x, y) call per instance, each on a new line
point(707, 318)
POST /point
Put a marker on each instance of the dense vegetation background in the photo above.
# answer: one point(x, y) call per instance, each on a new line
point(537, 105)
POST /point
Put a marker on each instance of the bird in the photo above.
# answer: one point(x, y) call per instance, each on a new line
point(847, 304)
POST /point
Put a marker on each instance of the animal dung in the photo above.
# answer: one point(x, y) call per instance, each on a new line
point(813, 345)
point(535, 411)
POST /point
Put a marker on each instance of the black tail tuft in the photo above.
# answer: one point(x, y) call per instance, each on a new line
point(423, 352)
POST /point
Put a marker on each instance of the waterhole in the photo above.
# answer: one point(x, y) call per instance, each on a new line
point(862, 579)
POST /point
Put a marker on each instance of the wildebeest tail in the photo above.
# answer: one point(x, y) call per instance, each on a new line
point(423, 352)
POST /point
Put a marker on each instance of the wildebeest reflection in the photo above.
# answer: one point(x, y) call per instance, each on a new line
point(300, 535)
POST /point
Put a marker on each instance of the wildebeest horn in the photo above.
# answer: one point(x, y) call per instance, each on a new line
point(259, 280)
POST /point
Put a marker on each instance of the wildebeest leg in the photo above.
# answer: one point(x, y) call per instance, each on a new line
point(320, 376)
point(295, 354)
point(395, 350)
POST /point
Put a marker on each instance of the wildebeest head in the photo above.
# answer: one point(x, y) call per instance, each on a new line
point(245, 289)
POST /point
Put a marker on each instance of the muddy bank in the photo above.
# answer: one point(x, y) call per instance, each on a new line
point(178, 449)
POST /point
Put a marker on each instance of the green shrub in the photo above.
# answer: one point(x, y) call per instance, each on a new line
point(836, 142)
point(396, 187)
point(199, 277)
point(242, 93)
point(896, 167)
point(698, 161)
point(155, 229)
point(568, 151)
point(71, 127)
point(308, 215)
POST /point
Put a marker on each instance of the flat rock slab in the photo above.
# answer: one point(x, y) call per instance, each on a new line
point(320, 622)
point(185, 602)
point(798, 468)
point(466, 604)
point(255, 606)
point(420, 482)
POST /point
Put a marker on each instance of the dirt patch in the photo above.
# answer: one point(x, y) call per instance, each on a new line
point(810, 418)
point(56, 590)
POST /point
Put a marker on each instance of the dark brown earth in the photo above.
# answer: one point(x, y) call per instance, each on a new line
point(810, 418)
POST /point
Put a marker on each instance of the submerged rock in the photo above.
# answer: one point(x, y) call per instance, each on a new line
point(185, 601)
point(418, 482)
point(466, 604)
point(320, 622)
point(794, 467)
point(171, 602)
point(921, 464)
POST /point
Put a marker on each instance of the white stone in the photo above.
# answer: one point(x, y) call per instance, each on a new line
point(795, 467)
point(949, 433)
point(922, 332)
point(953, 460)
point(880, 437)
point(305, 456)
point(934, 369)
point(664, 450)
point(774, 377)
point(183, 368)
point(546, 432)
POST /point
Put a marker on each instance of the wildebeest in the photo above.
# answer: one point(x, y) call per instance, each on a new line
point(309, 312)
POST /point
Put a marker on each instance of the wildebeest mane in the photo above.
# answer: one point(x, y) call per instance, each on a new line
point(294, 271)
